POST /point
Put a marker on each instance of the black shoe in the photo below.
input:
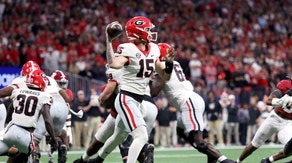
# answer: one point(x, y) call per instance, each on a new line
point(62, 154)
point(80, 160)
point(35, 157)
point(149, 154)
point(265, 160)
point(228, 161)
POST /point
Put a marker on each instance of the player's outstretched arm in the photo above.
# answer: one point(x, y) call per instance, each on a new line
point(6, 91)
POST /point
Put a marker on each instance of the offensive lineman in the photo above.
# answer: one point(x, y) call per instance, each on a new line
point(28, 104)
point(190, 106)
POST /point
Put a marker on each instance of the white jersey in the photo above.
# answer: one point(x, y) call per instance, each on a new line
point(139, 68)
point(177, 90)
point(27, 105)
point(53, 89)
point(19, 82)
point(114, 75)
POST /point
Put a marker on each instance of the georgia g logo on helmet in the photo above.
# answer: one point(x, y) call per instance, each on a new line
point(139, 22)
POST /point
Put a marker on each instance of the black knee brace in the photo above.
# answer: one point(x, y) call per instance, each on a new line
point(181, 133)
point(288, 147)
point(124, 147)
point(197, 143)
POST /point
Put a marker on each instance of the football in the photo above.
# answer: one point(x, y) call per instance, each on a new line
point(115, 29)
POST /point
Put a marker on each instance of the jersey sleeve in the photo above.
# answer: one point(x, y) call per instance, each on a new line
point(123, 50)
point(14, 93)
point(46, 98)
point(113, 74)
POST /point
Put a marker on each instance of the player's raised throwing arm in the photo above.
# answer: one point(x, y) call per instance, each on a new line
point(114, 62)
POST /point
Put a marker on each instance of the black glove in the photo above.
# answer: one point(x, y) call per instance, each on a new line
point(289, 92)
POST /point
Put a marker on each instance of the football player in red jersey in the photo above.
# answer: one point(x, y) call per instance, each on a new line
point(278, 121)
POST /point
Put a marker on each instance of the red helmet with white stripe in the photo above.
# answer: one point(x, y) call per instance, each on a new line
point(139, 27)
point(36, 79)
point(60, 78)
point(28, 67)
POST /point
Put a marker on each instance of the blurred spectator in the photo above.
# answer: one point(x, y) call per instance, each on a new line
point(210, 73)
point(254, 115)
point(80, 126)
point(214, 116)
point(94, 116)
point(232, 121)
point(173, 125)
point(243, 119)
point(98, 69)
point(195, 68)
point(162, 128)
point(51, 60)
point(63, 59)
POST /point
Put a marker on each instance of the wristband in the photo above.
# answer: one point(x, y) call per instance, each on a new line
point(168, 67)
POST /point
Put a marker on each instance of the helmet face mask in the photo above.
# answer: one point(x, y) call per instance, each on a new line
point(140, 28)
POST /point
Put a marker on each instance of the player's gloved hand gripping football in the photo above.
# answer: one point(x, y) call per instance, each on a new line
point(113, 30)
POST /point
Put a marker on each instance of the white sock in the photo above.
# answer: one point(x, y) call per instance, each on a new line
point(140, 137)
point(271, 158)
point(237, 161)
point(222, 158)
point(85, 157)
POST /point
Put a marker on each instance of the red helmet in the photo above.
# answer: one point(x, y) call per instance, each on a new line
point(36, 79)
point(284, 85)
point(28, 67)
point(164, 48)
point(60, 78)
point(139, 27)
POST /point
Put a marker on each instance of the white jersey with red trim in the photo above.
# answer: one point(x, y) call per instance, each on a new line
point(140, 66)
point(177, 90)
point(114, 75)
point(19, 82)
point(27, 105)
point(53, 89)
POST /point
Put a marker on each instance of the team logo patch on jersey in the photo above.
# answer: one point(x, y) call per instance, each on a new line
point(138, 55)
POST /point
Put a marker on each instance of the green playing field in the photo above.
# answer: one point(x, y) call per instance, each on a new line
point(181, 155)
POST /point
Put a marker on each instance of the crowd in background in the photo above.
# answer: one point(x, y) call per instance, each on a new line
point(236, 50)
